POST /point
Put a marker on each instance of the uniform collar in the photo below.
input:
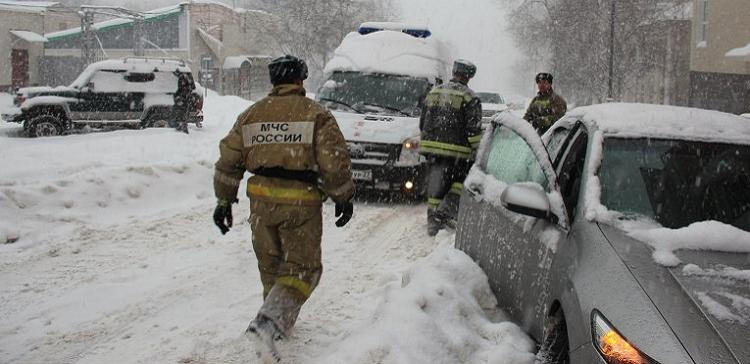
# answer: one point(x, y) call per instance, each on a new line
point(545, 93)
point(287, 89)
point(455, 80)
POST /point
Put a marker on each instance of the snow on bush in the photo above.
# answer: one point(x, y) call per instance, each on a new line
point(704, 235)
point(435, 315)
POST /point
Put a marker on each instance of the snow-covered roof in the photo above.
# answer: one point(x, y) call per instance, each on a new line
point(150, 15)
point(235, 62)
point(739, 52)
point(29, 36)
point(216, 46)
point(137, 65)
point(26, 6)
point(637, 120)
point(391, 52)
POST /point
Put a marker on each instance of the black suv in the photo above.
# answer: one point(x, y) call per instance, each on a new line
point(130, 92)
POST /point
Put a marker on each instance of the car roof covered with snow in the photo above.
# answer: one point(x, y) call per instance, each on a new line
point(671, 122)
point(390, 51)
point(135, 65)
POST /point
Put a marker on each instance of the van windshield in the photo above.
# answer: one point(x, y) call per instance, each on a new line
point(374, 93)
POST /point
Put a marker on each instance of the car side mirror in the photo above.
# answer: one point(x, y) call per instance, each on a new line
point(528, 198)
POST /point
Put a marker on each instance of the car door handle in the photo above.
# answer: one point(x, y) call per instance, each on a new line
point(474, 190)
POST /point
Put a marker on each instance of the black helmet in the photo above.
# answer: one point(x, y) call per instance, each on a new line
point(464, 67)
point(543, 76)
point(287, 69)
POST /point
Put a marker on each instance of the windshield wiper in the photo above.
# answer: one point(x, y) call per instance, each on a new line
point(338, 102)
point(385, 108)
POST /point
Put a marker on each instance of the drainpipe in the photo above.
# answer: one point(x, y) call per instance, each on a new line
point(189, 31)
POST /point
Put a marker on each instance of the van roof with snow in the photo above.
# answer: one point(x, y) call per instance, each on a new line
point(391, 48)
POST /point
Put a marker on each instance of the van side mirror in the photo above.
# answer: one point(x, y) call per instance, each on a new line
point(528, 198)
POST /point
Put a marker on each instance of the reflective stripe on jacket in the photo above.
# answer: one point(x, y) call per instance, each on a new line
point(289, 131)
point(451, 121)
point(544, 110)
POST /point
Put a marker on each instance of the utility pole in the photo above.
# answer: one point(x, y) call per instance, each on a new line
point(610, 91)
point(138, 35)
point(87, 37)
point(89, 42)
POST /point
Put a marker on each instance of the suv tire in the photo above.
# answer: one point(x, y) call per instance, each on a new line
point(555, 347)
point(45, 125)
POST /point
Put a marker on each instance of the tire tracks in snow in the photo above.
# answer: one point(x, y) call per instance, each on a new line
point(117, 256)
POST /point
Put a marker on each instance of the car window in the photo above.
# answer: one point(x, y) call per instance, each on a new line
point(510, 159)
point(556, 139)
point(570, 170)
point(677, 182)
point(489, 97)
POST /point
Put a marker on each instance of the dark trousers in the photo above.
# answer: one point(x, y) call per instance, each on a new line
point(178, 119)
point(445, 178)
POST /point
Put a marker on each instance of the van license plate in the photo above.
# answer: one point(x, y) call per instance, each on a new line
point(362, 175)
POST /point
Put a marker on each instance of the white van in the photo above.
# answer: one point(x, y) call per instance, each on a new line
point(375, 85)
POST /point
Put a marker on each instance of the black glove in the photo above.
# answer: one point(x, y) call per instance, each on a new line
point(345, 210)
point(223, 215)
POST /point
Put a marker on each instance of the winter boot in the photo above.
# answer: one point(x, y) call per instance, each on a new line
point(433, 226)
point(182, 127)
point(264, 333)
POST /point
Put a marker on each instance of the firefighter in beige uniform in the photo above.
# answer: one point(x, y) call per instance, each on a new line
point(298, 156)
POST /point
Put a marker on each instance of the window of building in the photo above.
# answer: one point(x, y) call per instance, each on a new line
point(703, 37)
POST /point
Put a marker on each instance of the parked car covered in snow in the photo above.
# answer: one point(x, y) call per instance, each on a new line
point(620, 236)
point(492, 103)
point(376, 82)
point(133, 92)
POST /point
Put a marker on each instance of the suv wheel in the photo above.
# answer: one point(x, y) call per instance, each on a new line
point(45, 125)
point(554, 348)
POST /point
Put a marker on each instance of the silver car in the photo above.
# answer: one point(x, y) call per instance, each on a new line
point(557, 223)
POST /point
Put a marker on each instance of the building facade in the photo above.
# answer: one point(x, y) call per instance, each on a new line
point(719, 70)
point(663, 48)
point(22, 25)
point(206, 34)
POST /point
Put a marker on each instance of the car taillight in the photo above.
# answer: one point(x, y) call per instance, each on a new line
point(198, 104)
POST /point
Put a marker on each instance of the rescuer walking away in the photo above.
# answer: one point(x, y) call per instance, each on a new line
point(298, 156)
point(451, 132)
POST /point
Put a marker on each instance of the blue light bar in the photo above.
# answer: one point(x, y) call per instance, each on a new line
point(417, 33)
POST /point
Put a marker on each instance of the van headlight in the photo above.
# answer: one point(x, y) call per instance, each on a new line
point(612, 346)
point(409, 152)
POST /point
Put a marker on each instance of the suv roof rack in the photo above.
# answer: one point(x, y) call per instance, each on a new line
point(162, 59)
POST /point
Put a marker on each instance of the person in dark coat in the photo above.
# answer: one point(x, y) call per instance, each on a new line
point(183, 98)
point(451, 126)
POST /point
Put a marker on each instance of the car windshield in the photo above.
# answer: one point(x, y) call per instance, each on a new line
point(374, 93)
point(490, 98)
point(677, 182)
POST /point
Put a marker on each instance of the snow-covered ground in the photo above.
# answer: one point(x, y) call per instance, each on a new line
point(117, 261)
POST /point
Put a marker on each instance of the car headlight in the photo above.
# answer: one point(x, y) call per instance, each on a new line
point(409, 152)
point(411, 144)
point(613, 347)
